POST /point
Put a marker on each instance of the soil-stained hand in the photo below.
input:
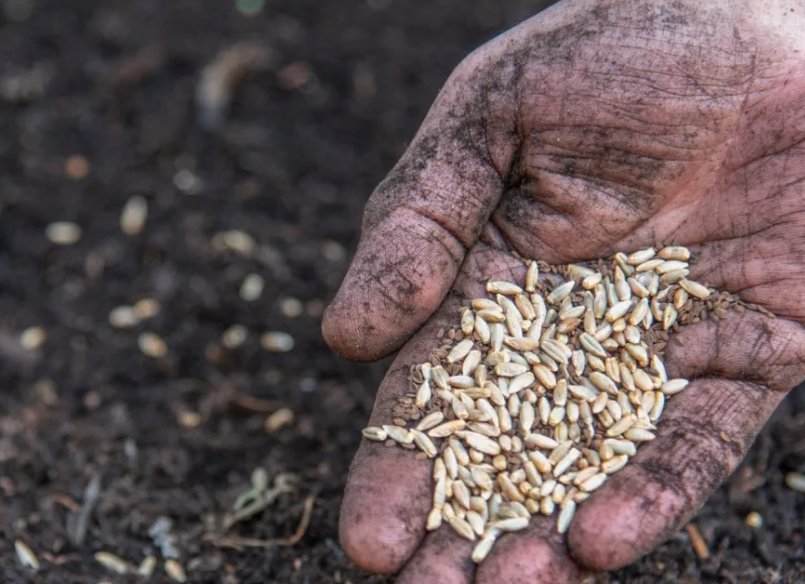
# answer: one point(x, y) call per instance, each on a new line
point(594, 127)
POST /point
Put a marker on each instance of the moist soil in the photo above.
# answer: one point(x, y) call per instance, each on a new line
point(97, 104)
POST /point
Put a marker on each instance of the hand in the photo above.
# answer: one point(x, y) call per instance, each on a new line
point(594, 127)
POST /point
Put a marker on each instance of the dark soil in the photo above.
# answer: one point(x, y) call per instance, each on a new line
point(292, 165)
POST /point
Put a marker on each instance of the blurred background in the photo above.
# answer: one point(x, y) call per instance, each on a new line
point(181, 188)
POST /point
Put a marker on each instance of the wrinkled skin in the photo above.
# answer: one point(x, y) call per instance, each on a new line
point(594, 127)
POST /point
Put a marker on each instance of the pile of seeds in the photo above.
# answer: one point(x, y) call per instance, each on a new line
point(548, 389)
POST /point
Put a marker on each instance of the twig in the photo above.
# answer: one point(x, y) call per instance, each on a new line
point(238, 542)
point(697, 541)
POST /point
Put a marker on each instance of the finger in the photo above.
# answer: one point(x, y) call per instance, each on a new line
point(538, 555)
point(389, 492)
point(443, 557)
point(702, 437)
point(417, 227)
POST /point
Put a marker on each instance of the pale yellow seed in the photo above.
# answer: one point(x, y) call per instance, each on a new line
point(26, 555)
point(174, 570)
point(501, 287)
point(113, 563)
point(695, 289)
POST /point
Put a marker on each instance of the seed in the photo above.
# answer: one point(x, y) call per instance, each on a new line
point(424, 443)
point(33, 338)
point(146, 308)
point(642, 381)
point(618, 310)
point(63, 232)
point(531, 277)
point(673, 386)
point(430, 421)
point(638, 289)
point(134, 215)
point(251, 288)
point(461, 381)
point(565, 516)
point(510, 369)
point(527, 417)
point(639, 353)
point(520, 382)
point(398, 434)
point(795, 481)
point(26, 555)
point(557, 415)
point(481, 443)
point(592, 483)
point(547, 506)
point(639, 435)
point(639, 312)
point(544, 376)
point(675, 253)
point(695, 289)
point(603, 383)
point(485, 304)
point(434, 520)
point(621, 446)
point(460, 351)
point(446, 429)
point(614, 464)
point(561, 292)
point(522, 344)
point(152, 345)
point(566, 462)
point(113, 563)
point(147, 566)
point(641, 256)
point(277, 342)
point(669, 315)
point(502, 287)
point(512, 524)
point(375, 433)
point(491, 316)
point(673, 277)
point(484, 546)
point(649, 265)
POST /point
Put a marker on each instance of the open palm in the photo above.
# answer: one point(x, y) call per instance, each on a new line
point(596, 126)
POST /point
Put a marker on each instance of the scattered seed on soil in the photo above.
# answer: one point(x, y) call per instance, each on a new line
point(26, 555)
point(541, 405)
point(33, 338)
point(152, 345)
point(795, 481)
point(175, 571)
point(234, 336)
point(277, 342)
point(123, 317)
point(63, 233)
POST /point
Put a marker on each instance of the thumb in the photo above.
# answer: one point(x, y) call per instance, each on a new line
point(417, 227)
